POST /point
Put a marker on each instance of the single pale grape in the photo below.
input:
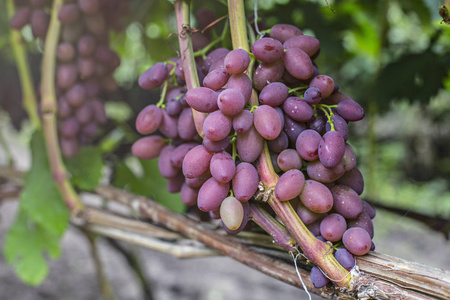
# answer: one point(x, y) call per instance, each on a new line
point(245, 181)
point(149, 119)
point(331, 149)
point(289, 185)
point(211, 194)
point(357, 241)
point(267, 50)
point(316, 197)
point(307, 145)
point(346, 201)
point(196, 162)
point(231, 213)
point(245, 220)
point(350, 110)
point(267, 122)
point(237, 61)
point(332, 227)
point(148, 147)
point(222, 167)
point(283, 32)
point(289, 159)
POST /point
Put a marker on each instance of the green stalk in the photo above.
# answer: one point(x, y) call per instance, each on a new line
point(236, 13)
point(29, 100)
point(187, 56)
point(49, 107)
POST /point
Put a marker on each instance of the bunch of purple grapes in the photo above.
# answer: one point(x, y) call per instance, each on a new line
point(85, 62)
point(300, 114)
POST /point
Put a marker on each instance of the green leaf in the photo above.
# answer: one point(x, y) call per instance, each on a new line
point(86, 168)
point(40, 198)
point(25, 246)
point(150, 184)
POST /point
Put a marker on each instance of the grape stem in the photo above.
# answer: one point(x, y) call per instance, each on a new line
point(29, 100)
point(187, 56)
point(328, 112)
point(48, 109)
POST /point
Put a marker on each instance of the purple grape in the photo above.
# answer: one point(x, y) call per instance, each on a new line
point(211, 194)
point(149, 119)
point(298, 109)
point(324, 83)
point(357, 241)
point(349, 158)
point(153, 77)
point(245, 181)
point(202, 99)
point(217, 126)
point(316, 197)
point(363, 221)
point(174, 108)
point(307, 216)
point(69, 13)
point(168, 125)
point(298, 63)
point(69, 147)
point(267, 122)
point(231, 102)
point(281, 115)
point(312, 95)
point(222, 167)
point(197, 182)
point(64, 109)
point(65, 52)
point(186, 126)
point(95, 23)
point(339, 126)
point(307, 43)
point(332, 227)
point(243, 121)
point(86, 67)
point(237, 61)
point(368, 209)
point(148, 147)
point(69, 128)
point(231, 213)
point(99, 111)
point(289, 159)
point(86, 45)
point(273, 94)
point(267, 50)
point(178, 154)
point(293, 128)
point(353, 179)
point(267, 73)
point(188, 194)
point(318, 123)
point(174, 184)
point(241, 83)
point(346, 201)
point(345, 258)
point(166, 169)
point(21, 17)
point(314, 228)
point(350, 110)
point(216, 79)
point(84, 114)
point(283, 32)
point(216, 146)
point(89, 6)
point(76, 95)
point(249, 145)
point(196, 162)
point(317, 171)
point(279, 144)
point(307, 145)
point(273, 159)
point(318, 278)
point(331, 149)
point(66, 75)
point(213, 56)
point(39, 21)
point(289, 185)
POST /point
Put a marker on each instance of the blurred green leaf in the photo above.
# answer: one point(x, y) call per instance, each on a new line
point(86, 168)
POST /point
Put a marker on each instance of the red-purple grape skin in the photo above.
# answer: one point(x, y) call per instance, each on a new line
point(217, 126)
point(289, 185)
point(166, 169)
point(174, 184)
point(231, 102)
point(66, 75)
point(317, 171)
point(318, 123)
point(267, 122)
point(331, 149)
point(185, 125)
point(283, 32)
point(76, 95)
point(349, 158)
point(289, 159)
point(216, 79)
point(298, 63)
point(357, 241)
point(202, 99)
point(153, 77)
point(86, 45)
point(318, 278)
point(368, 209)
point(307, 145)
point(213, 56)
point(65, 52)
point(178, 154)
point(279, 144)
point(249, 145)
point(21, 17)
point(267, 73)
point(39, 21)
point(188, 194)
point(345, 258)
point(84, 114)
point(306, 43)
point(346, 201)
point(68, 13)
point(324, 83)
point(363, 221)
point(350, 110)
point(332, 227)
point(314, 228)
point(353, 179)
point(168, 125)
point(298, 109)
point(148, 147)
point(293, 128)
point(242, 83)
point(196, 162)
point(222, 167)
point(245, 181)
point(316, 197)
point(339, 125)
point(216, 146)
point(267, 50)
point(237, 61)
point(149, 119)
point(243, 121)
point(69, 128)
point(211, 194)
point(307, 216)
point(69, 147)
point(198, 181)
point(312, 95)
point(273, 94)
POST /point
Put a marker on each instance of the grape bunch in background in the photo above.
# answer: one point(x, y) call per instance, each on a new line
point(286, 103)
point(85, 62)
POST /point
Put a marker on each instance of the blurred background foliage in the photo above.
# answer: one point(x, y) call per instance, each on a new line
point(392, 56)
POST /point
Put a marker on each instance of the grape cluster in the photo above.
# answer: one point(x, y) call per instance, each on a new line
point(299, 113)
point(85, 63)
